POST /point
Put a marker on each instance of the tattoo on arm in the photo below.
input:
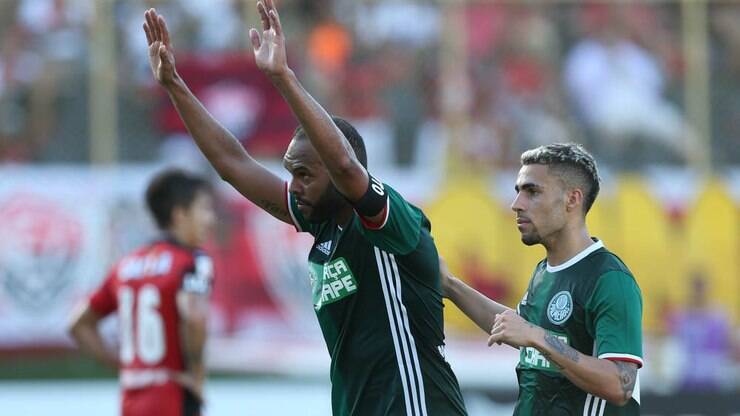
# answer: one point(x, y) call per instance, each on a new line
point(627, 377)
point(561, 347)
point(273, 208)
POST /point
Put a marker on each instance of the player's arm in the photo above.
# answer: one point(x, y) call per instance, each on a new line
point(193, 310)
point(83, 329)
point(192, 307)
point(610, 380)
point(475, 305)
point(221, 148)
point(347, 173)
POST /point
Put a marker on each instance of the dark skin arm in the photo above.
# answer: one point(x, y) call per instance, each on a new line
point(611, 380)
point(221, 148)
point(475, 305)
point(84, 331)
point(346, 172)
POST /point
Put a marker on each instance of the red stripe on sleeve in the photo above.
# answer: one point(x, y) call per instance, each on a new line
point(626, 359)
point(373, 226)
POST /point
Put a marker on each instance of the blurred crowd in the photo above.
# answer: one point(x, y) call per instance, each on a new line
point(608, 75)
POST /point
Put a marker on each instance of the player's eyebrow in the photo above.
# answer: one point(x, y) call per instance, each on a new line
point(527, 186)
point(291, 164)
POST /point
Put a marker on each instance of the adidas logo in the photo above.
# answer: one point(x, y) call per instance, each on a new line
point(324, 247)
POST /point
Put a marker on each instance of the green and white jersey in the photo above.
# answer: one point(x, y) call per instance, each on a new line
point(593, 303)
point(376, 293)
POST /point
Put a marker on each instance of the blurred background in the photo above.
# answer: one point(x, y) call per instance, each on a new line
point(447, 95)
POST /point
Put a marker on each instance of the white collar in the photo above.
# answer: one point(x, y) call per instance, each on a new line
point(578, 257)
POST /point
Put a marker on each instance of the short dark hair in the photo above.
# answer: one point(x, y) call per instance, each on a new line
point(350, 133)
point(169, 189)
point(572, 163)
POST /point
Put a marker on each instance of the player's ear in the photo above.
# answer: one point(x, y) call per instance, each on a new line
point(574, 199)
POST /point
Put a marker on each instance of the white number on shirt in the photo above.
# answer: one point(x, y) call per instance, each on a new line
point(146, 338)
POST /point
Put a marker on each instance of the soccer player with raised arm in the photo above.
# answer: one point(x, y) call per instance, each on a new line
point(578, 326)
point(373, 268)
point(160, 293)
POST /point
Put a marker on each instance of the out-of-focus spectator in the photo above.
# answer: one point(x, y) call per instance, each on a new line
point(410, 22)
point(726, 83)
point(20, 70)
point(617, 87)
point(59, 26)
point(704, 334)
point(518, 103)
point(329, 47)
point(218, 24)
point(403, 98)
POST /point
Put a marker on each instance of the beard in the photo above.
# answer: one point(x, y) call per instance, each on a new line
point(329, 203)
point(531, 239)
point(532, 236)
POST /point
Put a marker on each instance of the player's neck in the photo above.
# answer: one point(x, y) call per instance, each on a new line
point(567, 244)
point(180, 236)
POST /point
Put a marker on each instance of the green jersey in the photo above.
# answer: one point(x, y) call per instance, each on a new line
point(376, 293)
point(592, 303)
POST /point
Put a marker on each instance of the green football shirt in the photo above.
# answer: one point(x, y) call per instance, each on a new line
point(377, 296)
point(591, 302)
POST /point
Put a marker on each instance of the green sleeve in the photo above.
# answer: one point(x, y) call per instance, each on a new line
point(301, 224)
point(614, 318)
point(400, 230)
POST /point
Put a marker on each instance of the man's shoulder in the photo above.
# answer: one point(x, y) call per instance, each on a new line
point(602, 262)
point(398, 199)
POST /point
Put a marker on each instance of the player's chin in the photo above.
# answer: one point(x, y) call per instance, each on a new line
point(530, 239)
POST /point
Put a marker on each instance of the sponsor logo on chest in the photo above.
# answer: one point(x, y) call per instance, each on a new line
point(331, 282)
point(530, 357)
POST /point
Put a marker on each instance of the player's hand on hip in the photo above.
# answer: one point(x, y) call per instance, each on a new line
point(511, 329)
point(192, 383)
point(269, 48)
point(161, 56)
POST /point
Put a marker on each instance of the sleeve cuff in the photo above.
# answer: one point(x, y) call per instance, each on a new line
point(290, 209)
point(373, 226)
point(622, 357)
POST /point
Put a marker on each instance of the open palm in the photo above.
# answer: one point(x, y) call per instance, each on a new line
point(269, 48)
point(161, 57)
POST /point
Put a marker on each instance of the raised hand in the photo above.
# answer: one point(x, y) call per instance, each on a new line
point(269, 49)
point(161, 57)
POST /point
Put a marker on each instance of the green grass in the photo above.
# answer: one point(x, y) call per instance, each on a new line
point(44, 366)
point(71, 365)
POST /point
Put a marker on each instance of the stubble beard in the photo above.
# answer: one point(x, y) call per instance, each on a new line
point(531, 239)
point(327, 206)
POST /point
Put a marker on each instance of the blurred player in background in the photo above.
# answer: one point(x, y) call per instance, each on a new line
point(374, 267)
point(160, 292)
point(579, 325)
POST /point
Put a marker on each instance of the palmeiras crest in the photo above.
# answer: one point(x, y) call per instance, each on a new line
point(560, 307)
